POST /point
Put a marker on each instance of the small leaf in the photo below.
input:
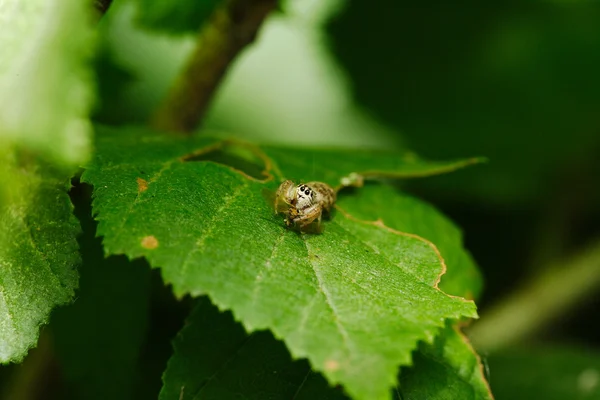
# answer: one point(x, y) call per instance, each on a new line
point(330, 166)
point(355, 312)
point(176, 17)
point(215, 359)
point(45, 85)
point(546, 372)
point(38, 256)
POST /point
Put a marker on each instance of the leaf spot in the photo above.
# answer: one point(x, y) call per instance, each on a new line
point(149, 242)
point(142, 185)
point(332, 365)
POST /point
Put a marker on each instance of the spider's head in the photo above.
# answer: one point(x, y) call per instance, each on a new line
point(305, 196)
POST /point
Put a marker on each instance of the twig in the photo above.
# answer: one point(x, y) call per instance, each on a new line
point(552, 294)
point(232, 27)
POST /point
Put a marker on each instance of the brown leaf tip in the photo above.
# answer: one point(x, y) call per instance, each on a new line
point(142, 185)
point(149, 242)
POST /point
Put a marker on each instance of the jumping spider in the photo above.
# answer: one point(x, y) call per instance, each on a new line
point(304, 203)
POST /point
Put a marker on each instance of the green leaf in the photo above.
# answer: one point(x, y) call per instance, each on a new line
point(98, 339)
point(215, 359)
point(330, 166)
point(45, 84)
point(176, 17)
point(355, 312)
point(38, 256)
point(404, 213)
point(490, 81)
point(45, 98)
point(447, 369)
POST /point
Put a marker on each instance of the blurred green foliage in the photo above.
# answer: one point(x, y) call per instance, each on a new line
point(546, 372)
point(46, 87)
point(516, 82)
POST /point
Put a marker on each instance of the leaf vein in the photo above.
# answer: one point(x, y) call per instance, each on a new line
point(211, 224)
point(267, 265)
point(222, 367)
point(165, 166)
point(328, 300)
point(43, 257)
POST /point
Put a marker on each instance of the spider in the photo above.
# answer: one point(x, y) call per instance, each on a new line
point(304, 203)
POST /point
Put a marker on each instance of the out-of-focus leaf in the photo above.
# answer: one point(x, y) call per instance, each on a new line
point(98, 339)
point(482, 79)
point(546, 372)
point(45, 97)
point(175, 17)
point(38, 256)
point(113, 81)
point(45, 84)
point(356, 313)
point(331, 165)
point(215, 359)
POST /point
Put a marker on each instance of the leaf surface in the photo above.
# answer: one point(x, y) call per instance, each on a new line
point(355, 312)
point(405, 213)
point(449, 367)
point(215, 359)
point(38, 258)
point(331, 165)
point(45, 84)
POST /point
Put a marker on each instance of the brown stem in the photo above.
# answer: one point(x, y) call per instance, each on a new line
point(232, 27)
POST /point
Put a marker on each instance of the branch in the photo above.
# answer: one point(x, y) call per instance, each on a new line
point(232, 27)
point(553, 293)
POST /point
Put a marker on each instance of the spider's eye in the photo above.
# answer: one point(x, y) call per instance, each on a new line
point(307, 192)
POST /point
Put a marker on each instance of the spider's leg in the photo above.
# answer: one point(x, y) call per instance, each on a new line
point(284, 197)
point(308, 215)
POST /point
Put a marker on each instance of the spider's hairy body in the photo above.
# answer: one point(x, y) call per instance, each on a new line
point(304, 203)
